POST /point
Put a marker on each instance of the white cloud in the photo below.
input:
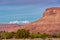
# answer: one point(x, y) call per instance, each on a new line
point(13, 22)
point(17, 22)
point(25, 22)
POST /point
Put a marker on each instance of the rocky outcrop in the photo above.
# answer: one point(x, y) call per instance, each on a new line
point(9, 27)
point(49, 23)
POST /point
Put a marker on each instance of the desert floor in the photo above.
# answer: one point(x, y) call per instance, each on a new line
point(34, 39)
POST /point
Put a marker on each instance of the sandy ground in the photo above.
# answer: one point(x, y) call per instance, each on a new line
point(34, 39)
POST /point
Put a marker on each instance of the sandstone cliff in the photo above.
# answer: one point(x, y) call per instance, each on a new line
point(9, 27)
point(49, 23)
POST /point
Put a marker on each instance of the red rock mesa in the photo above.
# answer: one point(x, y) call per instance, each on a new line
point(49, 23)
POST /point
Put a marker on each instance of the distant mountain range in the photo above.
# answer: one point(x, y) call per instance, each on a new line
point(9, 27)
point(49, 23)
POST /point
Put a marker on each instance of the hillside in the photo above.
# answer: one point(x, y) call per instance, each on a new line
point(49, 23)
point(9, 27)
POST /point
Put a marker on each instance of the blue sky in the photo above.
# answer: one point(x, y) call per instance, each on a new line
point(24, 10)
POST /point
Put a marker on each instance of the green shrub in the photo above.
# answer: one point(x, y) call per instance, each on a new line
point(54, 36)
point(6, 35)
point(58, 35)
point(22, 34)
point(35, 35)
point(44, 35)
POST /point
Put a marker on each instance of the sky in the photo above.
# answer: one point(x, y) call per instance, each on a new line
point(24, 11)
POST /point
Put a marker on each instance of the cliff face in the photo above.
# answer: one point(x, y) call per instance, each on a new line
point(9, 27)
point(49, 23)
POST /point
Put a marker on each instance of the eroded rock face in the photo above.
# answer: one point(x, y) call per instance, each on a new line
point(9, 27)
point(49, 23)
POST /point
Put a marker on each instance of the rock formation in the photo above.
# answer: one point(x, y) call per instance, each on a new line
point(49, 23)
point(9, 27)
